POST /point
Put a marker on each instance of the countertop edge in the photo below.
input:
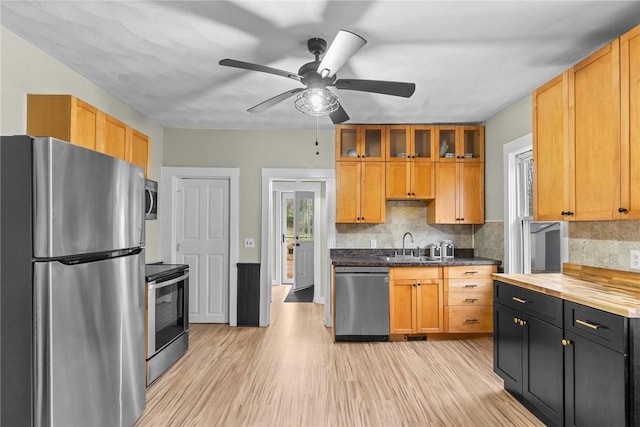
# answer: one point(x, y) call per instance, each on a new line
point(568, 288)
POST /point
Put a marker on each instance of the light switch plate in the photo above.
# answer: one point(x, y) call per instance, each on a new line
point(634, 260)
point(249, 242)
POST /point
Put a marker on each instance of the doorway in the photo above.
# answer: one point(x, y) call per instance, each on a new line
point(199, 227)
point(321, 182)
point(297, 249)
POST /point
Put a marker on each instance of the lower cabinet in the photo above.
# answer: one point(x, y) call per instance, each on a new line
point(468, 291)
point(415, 300)
point(528, 351)
point(570, 364)
point(601, 376)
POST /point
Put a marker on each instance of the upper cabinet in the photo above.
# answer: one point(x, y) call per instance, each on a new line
point(71, 119)
point(630, 123)
point(360, 143)
point(455, 143)
point(64, 117)
point(410, 159)
point(586, 137)
point(459, 190)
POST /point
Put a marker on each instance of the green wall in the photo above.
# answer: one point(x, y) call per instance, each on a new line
point(250, 151)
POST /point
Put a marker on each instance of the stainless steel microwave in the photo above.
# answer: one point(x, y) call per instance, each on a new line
point(150, 199)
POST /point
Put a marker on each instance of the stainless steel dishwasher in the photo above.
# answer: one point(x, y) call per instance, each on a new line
point(362, 304)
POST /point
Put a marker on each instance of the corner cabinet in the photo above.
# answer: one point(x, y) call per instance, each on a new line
point(586, 137)
point(70, 119)
point(415, 300)
point(459, 196)
point(410, 158)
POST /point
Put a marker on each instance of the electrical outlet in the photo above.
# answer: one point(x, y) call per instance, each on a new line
point(374, 243)
point(634, 260)
point(249, 242)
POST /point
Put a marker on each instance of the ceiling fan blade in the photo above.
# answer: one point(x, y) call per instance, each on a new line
point(339, 116)
point(377, 86)
point(273, 101)
point(257, 67)
point(342, 48)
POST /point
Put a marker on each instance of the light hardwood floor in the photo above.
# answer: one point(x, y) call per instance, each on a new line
point(292, 374)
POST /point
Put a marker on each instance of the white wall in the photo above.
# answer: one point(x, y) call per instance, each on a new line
point(26, 69)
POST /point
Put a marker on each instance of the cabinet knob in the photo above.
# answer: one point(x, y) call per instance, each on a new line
point(419, 283)
point(408, 194)
point(522, 322)
point(623, 210)
point(515, 320)
point(566, 342)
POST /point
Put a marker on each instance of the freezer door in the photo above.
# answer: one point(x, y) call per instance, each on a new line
point(84, 201)
point(89, 342)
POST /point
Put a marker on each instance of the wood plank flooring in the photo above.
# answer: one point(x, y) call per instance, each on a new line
point(292, 374)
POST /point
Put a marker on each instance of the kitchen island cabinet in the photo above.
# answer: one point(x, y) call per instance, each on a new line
point(598, 341)
point(528, 349)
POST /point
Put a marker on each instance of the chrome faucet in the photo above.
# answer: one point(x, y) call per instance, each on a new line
point(403, 237)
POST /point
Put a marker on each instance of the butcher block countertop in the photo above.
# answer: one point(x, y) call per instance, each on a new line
point(613, 291)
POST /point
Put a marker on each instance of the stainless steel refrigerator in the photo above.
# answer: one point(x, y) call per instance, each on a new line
point(71, 286)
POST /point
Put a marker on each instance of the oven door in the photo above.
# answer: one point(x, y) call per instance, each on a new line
point(167, 314)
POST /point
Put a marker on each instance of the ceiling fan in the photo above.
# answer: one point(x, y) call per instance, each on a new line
point(315, 99)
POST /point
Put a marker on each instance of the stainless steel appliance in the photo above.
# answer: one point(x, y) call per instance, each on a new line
point(72, 294)
point(167, 316)
point(362, 303)
point(150, 199)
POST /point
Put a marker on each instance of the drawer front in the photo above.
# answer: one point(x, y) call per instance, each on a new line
point(471, 298)
point(469, 271)
point(469, 319)
point(416, 273)
point(469, 285)
point(541, 306)
point(607, 329)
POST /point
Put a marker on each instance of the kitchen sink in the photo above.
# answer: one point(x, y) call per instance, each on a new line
point(409, 259)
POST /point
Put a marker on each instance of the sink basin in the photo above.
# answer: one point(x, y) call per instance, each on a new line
point(409, 259)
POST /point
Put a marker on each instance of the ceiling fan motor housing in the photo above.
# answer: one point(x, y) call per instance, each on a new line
point(311, 77)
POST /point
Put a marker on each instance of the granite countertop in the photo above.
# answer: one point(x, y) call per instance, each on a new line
point(620, 300)
point(377, 258)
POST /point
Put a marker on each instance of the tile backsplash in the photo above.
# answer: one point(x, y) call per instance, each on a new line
point(603, 243)
point(403, 216)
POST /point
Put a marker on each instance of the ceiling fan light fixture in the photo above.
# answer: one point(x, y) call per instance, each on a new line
point(316, 102)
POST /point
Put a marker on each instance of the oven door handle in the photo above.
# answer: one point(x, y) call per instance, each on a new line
point(158, 285)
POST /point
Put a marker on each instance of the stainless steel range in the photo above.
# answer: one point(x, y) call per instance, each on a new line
point(167, 316)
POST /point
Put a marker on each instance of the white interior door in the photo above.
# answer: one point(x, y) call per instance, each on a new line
point(202, 241)
point(303, 239)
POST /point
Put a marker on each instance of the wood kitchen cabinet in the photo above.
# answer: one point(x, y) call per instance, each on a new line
point(64, 117)
point(360, 192)
point(410, 167)
point(630, 123)
point(355, 143)
point(415, 300)
point(468, 298)
point(70, 119)
point(586, 137)
point(528, 350)
point(459, 197)
point(456, 143)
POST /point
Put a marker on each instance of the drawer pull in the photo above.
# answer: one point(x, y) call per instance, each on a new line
point(471, 272)
point(520, 300)
point(471, 321)
point(471, 286)
point(471, 299)
point(588, 324)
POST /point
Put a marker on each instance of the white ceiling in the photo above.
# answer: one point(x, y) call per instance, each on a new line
point(468, 59)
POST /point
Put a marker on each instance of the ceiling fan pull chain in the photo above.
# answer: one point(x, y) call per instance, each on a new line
point(317, 145)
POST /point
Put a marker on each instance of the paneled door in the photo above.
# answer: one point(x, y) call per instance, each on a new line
point(303, 239)
point(202, 241)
